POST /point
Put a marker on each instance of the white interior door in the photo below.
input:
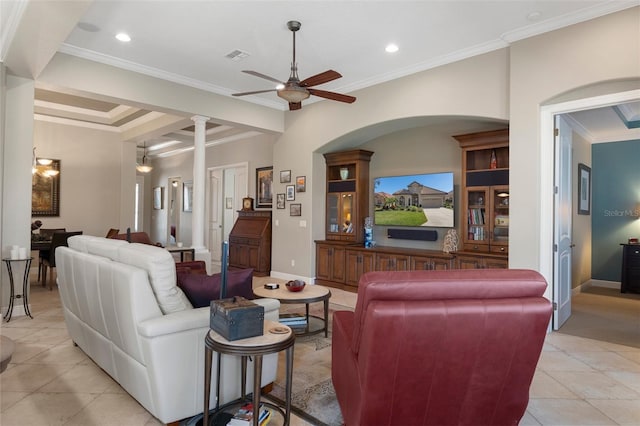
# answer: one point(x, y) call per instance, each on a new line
point(215, 217)
point(562, 224)
point(227, 186)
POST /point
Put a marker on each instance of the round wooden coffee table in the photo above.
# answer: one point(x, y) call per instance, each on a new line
point(310, 294)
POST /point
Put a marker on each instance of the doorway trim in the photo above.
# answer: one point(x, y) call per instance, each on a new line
point(546, 196)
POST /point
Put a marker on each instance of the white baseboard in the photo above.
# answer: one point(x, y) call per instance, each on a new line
point(595, 283)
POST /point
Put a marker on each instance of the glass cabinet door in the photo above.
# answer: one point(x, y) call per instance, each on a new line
point(476, 210)
point(500, 214)
point(333, 213)
point(346, 212)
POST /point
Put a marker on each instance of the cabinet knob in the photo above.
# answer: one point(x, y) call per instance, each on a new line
point(501, 248)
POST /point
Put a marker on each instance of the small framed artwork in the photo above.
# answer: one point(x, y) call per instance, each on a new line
point(158, 198)
point(291, 193)
point(264, 184)
point(301, 183)
point(295, 209)
point(187, 196)
point(584, 189)
point(280, 201)
point(285, 176)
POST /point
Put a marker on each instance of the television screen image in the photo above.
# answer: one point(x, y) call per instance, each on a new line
point(414, 200)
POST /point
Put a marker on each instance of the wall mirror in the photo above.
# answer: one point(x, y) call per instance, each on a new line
point(174, 205)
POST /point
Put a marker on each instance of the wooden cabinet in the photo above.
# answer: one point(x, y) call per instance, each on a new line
point(487, 210)
point(347, 194)
point(485, 196)
point(630, 281)
point(250, 242)
point(357, 260)
point(425, 263)
point(392, 262)
point(466, 260)
point(330, 263)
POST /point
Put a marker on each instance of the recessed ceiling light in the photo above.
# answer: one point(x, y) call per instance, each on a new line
point(391, 48)
point(124, 37)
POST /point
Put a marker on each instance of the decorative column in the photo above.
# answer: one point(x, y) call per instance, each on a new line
point(199, 184)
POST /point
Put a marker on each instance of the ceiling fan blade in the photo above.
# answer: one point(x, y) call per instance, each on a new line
point(253, 93)
point(294, 106)
point(323, 77)
point(266, 77)
point(333, 96)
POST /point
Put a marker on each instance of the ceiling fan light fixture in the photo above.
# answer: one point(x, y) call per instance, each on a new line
point(293, 94)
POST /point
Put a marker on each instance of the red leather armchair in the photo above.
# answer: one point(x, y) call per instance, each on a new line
point(439, 347)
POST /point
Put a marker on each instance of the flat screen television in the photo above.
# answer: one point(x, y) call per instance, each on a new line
point(414, 200)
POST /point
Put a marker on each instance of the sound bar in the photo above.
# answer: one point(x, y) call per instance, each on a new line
point(412, 234)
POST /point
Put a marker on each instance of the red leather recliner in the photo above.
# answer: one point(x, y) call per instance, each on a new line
point(439, 347)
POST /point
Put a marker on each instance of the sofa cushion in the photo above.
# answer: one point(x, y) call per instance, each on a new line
point(161, 270)
point(202, 289)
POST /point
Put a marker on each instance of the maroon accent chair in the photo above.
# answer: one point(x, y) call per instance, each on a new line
point(453, 347)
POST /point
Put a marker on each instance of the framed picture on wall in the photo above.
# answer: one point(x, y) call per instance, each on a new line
point(301, 184)
point(584, 189)
point(264, 187)
point(285, 176)
point(291, 192)
point(280, 201)
point(295, 209)
point(158, 198)
point(45, 189)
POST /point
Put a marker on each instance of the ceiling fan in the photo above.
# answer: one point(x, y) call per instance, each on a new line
point(295, 91)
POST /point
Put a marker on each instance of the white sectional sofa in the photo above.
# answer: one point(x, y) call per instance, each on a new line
point(123, 309)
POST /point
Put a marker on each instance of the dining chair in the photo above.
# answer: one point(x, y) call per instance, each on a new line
point(58, 239)
point(46, 234)
point(112, 232)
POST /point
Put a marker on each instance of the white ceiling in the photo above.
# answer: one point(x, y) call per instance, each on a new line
point(186, 41)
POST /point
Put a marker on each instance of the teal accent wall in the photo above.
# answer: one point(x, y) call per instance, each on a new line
point(615, 210)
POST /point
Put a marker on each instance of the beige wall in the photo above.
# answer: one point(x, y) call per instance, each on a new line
point(474, 88)
point(91, 177)
point(581, 224)
point(257, 151)
point(544, 67)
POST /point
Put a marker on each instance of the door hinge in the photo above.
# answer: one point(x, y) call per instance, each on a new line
point(555, 306)
point(555, 189)
point(555, 247)
point(555, 132)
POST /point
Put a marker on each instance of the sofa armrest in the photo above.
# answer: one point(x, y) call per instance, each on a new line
point(177, 322)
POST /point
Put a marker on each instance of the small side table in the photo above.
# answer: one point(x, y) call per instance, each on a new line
point(25, 284)
point(256, 347)
point(310, 294)
point(182, 251)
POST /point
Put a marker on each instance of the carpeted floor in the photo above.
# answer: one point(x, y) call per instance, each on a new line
point(605, 314)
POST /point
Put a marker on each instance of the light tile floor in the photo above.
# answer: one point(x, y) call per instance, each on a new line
point(578, 381)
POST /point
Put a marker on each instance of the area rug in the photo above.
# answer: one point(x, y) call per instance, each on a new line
point(313, 397)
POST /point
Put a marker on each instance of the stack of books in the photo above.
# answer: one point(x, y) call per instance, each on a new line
point(244, 416)
point(293, 320)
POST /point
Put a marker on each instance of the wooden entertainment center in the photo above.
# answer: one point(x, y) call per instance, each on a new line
point(341, 257)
